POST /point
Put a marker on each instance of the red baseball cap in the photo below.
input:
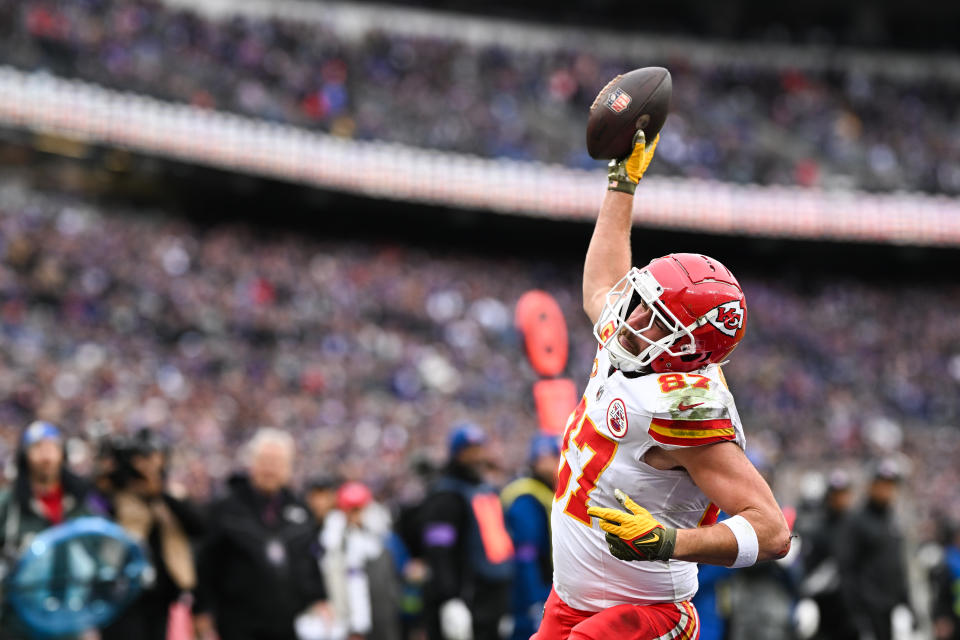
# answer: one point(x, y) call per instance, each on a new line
point(353, 495)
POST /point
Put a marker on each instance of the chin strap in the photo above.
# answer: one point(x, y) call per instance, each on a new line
point(619, 355)
point(621, 358)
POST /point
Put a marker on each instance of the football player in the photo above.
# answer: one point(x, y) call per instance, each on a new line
point(655, 448)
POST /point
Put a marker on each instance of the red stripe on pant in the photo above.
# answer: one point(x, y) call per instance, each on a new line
point(623, 622)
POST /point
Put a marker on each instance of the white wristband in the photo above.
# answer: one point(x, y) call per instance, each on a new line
point(748, 547)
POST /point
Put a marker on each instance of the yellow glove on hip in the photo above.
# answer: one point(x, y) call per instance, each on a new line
point(636, 535)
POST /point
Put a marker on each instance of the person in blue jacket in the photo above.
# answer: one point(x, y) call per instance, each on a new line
point(527, 502)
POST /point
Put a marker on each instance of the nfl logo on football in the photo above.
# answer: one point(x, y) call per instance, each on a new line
point(618, 100)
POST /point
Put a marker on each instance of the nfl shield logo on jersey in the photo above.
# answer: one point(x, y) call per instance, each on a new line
point(728, 319)
point(617, 418)
point(618, 100)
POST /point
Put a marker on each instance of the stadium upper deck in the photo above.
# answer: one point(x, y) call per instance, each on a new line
point(922, 25)
point(763, 139)
point(746, 115)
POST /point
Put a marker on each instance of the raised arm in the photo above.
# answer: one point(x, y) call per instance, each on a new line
point(608, 256)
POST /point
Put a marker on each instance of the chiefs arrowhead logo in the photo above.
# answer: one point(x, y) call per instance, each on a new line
point(728, 319)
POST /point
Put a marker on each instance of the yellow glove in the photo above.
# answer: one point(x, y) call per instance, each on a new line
point(636, 535)
point(624, 174)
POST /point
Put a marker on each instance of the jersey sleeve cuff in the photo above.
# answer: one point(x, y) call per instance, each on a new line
point(691, 433)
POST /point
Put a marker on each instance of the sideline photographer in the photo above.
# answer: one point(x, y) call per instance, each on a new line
point(163, 524)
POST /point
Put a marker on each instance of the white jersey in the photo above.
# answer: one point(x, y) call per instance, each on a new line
point(618, 420)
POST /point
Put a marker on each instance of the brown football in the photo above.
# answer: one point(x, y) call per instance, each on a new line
point(639, 99)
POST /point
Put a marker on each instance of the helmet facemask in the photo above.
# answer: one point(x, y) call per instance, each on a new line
point(641, 287)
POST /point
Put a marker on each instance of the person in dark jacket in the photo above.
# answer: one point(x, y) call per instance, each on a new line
point(820, 552)
point(465, 545)
point(43, 495)
point(257, 571)
point(165, 525)
point(871, 557)
point(527, 502)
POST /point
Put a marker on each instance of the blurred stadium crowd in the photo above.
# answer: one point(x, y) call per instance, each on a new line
point(369, 353)
point(113, 320)
point(745, 121)
point(365, 353)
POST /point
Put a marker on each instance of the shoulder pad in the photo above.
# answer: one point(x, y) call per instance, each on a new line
point(691, 409)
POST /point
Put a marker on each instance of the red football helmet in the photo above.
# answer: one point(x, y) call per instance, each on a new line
point(693, 296)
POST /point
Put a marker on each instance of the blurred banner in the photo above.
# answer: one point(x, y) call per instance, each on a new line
point(45, 104)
